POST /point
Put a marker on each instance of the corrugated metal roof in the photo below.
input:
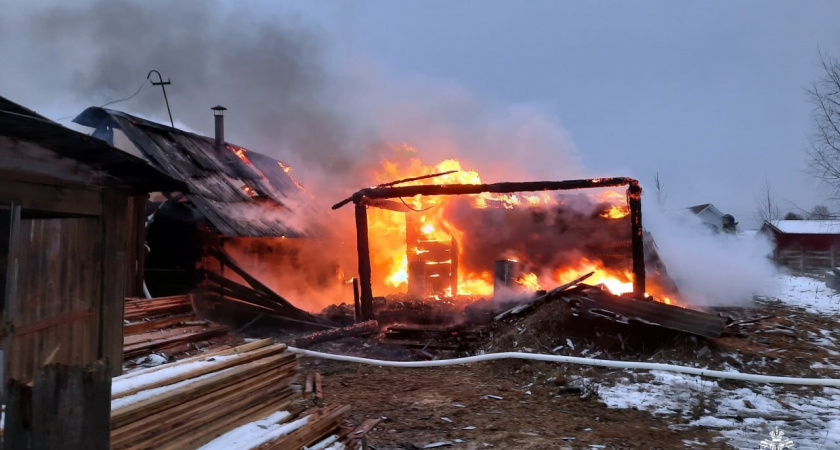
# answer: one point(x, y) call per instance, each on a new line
point(22, 123)
point(217, 181)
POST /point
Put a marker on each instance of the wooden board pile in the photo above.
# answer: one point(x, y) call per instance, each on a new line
point(167, 325)
point(207, 400)
point(228, 298)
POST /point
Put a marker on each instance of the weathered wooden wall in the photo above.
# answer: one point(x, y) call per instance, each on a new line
point(59, 289)
point(79, 253)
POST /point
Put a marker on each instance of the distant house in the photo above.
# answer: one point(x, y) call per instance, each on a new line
point(805, 245)
point(71, 242)
point(709, 215)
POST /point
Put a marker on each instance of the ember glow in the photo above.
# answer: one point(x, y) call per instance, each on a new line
point(420, 250)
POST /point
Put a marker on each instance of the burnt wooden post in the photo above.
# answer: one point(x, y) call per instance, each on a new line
point(634, 201)
point(357, 306)
point(66, 407)
point(363, 250)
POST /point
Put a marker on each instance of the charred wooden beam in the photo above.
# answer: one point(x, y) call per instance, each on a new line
point(497, 188)
point(363, 250)
point(634, 201)
point(386, 204)
point(358, 329)
point(357, 306)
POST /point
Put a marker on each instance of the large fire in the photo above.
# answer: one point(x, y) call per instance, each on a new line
point(425, 239)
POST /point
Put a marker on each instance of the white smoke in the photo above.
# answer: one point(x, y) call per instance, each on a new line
point(710, 269)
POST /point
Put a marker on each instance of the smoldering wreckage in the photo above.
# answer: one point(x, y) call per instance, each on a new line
point(211, 342)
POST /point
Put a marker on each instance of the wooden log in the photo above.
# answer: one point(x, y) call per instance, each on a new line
point(634, 201)
point(358, 329)
point(363, 253)
point(497, 188)
point(357, 305)
point(66, 407)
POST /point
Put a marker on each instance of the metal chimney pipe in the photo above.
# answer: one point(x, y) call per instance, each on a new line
point(219, 115)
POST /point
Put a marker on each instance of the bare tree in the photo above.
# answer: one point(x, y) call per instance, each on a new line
point(825, 141)
point(661, 195)
point(767, 210)
point(820, 212)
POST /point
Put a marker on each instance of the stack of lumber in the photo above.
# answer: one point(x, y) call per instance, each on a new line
point(241, 398)
point(167, 325)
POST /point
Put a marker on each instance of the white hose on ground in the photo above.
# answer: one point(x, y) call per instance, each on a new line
point(576, 360)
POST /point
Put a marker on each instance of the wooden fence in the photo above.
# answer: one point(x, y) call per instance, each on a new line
point(808, 261)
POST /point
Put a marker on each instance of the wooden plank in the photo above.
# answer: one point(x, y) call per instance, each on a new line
point(66, 407)
point(197, 389)
point(309, 386)
point(144, 327)
point(52, 322)
point(364, 428)
point(10, 298)
point(213, 422)
point(319, 391)
point(320, 423)
point(133, 350)
point(48, 197)
point(214, 367)
point(222, 352)
point(182, 418)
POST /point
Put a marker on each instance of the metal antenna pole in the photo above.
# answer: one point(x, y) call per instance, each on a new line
point(162, 85)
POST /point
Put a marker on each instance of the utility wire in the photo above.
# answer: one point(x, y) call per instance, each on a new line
point(140, 88)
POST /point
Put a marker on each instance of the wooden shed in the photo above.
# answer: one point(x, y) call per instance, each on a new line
point(805, 245)
point(71, 242)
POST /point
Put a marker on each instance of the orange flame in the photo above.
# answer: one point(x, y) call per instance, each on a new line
point(390, 253)
point(616, 212)
point(529, 281)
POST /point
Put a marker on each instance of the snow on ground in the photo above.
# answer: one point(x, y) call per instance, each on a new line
point(746, 414)
point(806, 292)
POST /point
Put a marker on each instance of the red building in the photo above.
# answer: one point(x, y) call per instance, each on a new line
point(805, 245)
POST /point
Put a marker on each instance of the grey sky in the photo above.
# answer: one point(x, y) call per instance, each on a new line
point(708, 94)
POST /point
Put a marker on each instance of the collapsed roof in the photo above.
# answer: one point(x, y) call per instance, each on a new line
point(241, 196)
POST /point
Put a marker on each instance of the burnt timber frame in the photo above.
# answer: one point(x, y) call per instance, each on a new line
point(367, 196)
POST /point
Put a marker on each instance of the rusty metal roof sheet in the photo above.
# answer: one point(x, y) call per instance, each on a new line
point(218, 182)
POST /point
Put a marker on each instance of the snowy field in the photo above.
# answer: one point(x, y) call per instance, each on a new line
point(746, 413)
point(808, 293)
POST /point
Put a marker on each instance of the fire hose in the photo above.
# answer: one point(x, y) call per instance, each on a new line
point(726, 375)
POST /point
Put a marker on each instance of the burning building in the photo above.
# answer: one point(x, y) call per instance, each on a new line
point(236, 200)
